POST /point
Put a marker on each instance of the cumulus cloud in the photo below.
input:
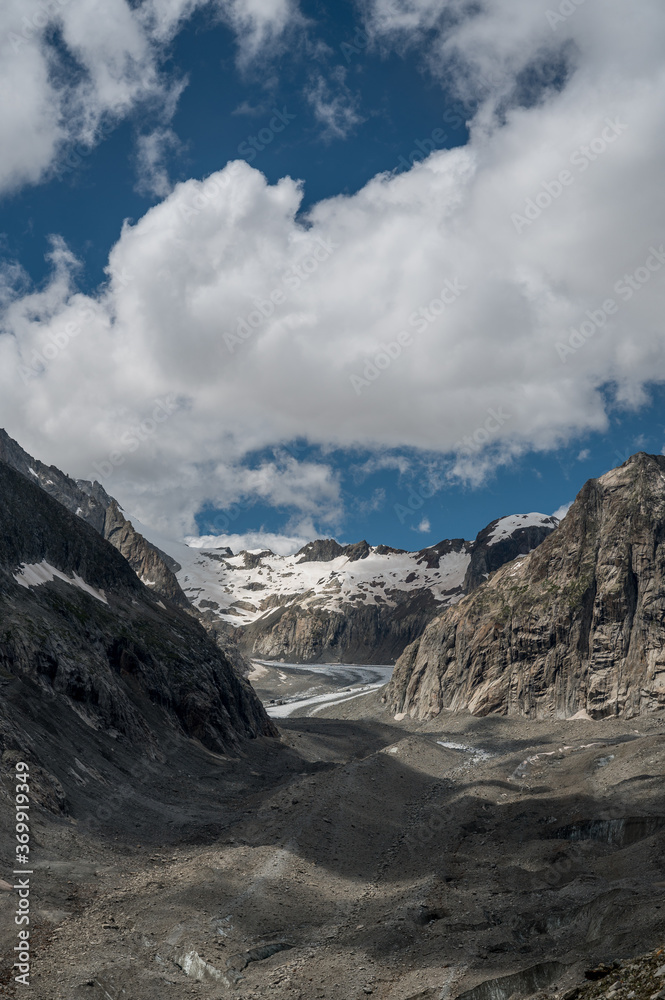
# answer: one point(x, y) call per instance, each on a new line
point(69, 69)
point(259, 24)
point(561, 512)
point(477, 304)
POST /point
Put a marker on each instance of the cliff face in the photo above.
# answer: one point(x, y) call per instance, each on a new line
point(357, 634)
point(80, 632)
point(579, 624)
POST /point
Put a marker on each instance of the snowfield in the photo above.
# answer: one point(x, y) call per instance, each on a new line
point(242, 588)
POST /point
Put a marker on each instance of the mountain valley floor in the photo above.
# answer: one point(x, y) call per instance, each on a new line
point(358, 856)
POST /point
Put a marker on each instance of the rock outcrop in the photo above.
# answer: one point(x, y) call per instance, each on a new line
point(82, 638)
point(91, 503)
point(577, 625)
point(359, 633)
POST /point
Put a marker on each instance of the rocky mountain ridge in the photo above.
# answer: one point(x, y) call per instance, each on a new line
point(578, 625)
point(92, 504)
point(154, 567)
point(82, 638)
point(329, 602)
point(355, 603)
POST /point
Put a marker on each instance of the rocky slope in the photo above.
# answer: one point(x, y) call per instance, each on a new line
point(577, 625)
point(92, 504)
point(152, 565)
point(84, 642)
point(355, 603)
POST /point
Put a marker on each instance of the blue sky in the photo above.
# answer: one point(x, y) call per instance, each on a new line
point(470, 186)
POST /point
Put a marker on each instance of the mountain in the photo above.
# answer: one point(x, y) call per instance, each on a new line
point(328, 602)
point(355, 603)
point(84, 645)
point(92, 504)
point(577, 625)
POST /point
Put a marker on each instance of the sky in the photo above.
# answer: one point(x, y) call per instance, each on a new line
point(389, 269)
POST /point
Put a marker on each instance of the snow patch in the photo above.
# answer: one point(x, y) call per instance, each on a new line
point(476, 752)
point(513, 522)
point(246, 586)
point(37, 574)
point(243, 594)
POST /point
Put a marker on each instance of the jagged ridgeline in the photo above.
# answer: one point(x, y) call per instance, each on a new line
point(576, 625)
point(82, 639)
point(351, 603)
point(91, 503)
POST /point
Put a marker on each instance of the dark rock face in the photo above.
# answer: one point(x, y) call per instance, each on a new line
point(576, 625)
point(59, 486)
point(112, 655)
point(363, 634)
point(327, 549)
point(91, 503)
point(487, 556)
point(148, 562)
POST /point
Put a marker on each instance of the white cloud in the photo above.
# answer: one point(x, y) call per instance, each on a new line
point(151, 154)
point(281, 545)
point(424, 527)
point(583, 455)
point(190, 304)
point(259, 24)
point(334, 106)
point(561, 512)
point(51, 114)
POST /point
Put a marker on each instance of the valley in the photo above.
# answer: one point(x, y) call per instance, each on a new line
point(293, 689)
point(482, 820)
point(361, 856)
